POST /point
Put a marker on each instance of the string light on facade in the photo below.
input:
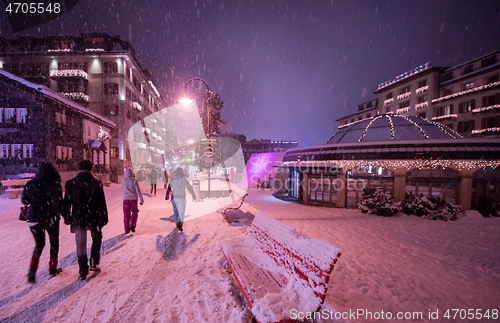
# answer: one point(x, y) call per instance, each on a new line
point(404, 75)
point(488, 108)
point(422, 89)
point(469, 91)
point(476, 132)
point(103, 135)
point(422, 105)
point(446, 116)
point(68, 73)
point(137, 106)
point(95, 50)
point(76, 96)
point(404, 95)
point(403, 110)
point(388, 101)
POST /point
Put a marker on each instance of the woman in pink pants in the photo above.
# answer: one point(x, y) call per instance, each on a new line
point(131, 192)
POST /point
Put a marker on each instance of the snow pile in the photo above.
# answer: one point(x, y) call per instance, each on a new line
point(275, 307)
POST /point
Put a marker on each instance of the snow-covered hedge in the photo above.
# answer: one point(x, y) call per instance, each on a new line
point(378, 202)
point(489, 207)
point(433, 208)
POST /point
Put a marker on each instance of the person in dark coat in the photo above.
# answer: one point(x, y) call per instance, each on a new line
point(84, 199)
point(153, 176)
point(177, 192)
point(43, 194)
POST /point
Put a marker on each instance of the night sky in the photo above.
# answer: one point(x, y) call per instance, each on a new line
point(286, 69)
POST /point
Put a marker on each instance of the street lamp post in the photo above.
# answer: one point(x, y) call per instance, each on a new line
point(185, 101)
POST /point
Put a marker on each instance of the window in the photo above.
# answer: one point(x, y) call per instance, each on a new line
point(404, 90)
point(447, 76)
point(422, 83)
point(10, 115)
point(388, 109)
point(21, 115)
point(491, 100)
point(488, 61)
point(130, 75)
point(469, 86)
point(111, 110)
point(110, 89)
point(1, 115)
point(404, 104)
point(29, 151)
point(359, 118)
point(369, 115)
point(492, 79)
point(128, 93)
point(58, 152)
point(89, 133)
point(70, 153)
point(64, 152)
point(18, 150)
point(6, 150)
point(443, 111)
point(110, 68)
point(492, 122)
point(422, 99)
point(448, 92)
point(113, 152)
point(466, 106)
point(468, 69)
point(465, 126)
point(422, 115)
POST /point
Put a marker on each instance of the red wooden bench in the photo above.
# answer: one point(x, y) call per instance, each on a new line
point(280, 270)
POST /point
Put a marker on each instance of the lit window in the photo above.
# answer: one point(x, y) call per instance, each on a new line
point(10, 115)
point(21, 115)
point(29, 151)
point(18, 151)
point(6, 151)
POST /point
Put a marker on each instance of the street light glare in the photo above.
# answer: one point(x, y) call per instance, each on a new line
point(185, 101)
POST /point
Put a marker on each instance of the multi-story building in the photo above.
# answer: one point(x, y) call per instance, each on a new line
point(95, 70)
point(38, 124)
point(466, 97)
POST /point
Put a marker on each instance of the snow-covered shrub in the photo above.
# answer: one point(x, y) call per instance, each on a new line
point(378, 202)
point(433, 208)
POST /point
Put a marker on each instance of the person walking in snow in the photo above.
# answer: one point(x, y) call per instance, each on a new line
point(43, 194)
point(177, 192)
point(153, 176)
point(131, 192)
point(84, 199)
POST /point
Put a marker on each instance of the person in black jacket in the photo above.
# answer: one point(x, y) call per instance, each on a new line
point(43, 194)
point(84, 198)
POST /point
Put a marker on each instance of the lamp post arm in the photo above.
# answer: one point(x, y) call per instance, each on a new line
point(198, 79)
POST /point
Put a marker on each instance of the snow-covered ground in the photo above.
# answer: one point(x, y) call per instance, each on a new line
point(399, 264)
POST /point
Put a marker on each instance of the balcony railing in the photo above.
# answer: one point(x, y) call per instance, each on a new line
point(76, 96)
point(68, 73)
point(422, 105)
point(388, 101)
point(480, 131)
point(486, 109)
point(422, 89)
point(403, 110)
point(404, 95)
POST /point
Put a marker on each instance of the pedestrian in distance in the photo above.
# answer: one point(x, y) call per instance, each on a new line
point(153, 176)
point(84, 205)
point(176, 191)
point(131, 193)
point(43, 194)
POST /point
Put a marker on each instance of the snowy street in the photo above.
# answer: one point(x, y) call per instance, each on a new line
point(400, 264)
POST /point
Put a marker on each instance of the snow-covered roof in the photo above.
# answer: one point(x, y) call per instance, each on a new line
point(53, 94)
point(390, 127)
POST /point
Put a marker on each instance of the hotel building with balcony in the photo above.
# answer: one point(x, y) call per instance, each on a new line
point(465, 97)
point(96, 70)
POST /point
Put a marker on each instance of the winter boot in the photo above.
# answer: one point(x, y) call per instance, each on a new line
point(33, 268)
point(94, 266)
point(53, 270)
point(84, 267)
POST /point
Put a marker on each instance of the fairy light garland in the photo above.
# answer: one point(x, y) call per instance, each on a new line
point(393, 164)
point(392, 126)
point(446, 116)
point(416, 125)
point(366, 128)
point(484, 109)
point(452, 133)
point(469, 91)
point(476, 132)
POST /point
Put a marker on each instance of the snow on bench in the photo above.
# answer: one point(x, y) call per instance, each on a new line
point(279, 269)
point(14, 191)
